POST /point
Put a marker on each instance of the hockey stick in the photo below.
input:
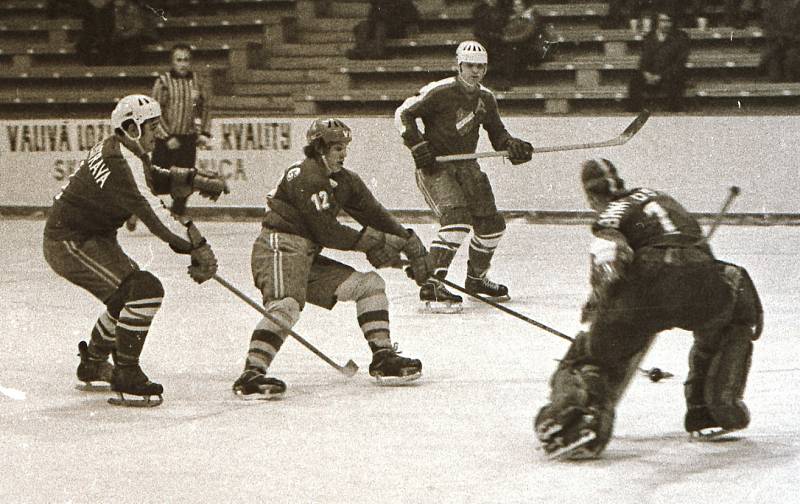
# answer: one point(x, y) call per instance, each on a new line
point(655, 374)
point(733, 192)
point(348, 369)
point(623, 137)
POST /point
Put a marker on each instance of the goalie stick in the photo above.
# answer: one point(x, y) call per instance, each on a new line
point(621, 139)
point(349, 369)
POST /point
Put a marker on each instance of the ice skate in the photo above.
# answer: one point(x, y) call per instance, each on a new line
point(487, 289)
point(94, 373)
point(438, 299)
point(132, 380)
point(253, 385)
point(391, 369)
point(701, 426)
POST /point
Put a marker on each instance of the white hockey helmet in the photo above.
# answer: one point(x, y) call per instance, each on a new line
point(471, 51)
point(137, 108)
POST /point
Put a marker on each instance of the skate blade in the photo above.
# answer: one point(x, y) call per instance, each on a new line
point(145, 402)
point(710, 434)
point(495, 299)
point(574, 450)
point(392, 381)
point(96, 386)
point(441, 307)
point(264, 396)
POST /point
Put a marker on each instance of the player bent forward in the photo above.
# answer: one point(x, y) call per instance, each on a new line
point(652, 270)
point(289, 270)
point(453, 110)
point(80, 244)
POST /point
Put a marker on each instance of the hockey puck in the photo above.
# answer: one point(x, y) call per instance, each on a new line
point(655, 375)
point(735, 190)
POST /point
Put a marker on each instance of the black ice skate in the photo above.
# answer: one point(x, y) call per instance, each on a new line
point(701, 426)
point(391, 369)
point(94, 373)
point(254, 385)
point(438, 299)
point(487, 289)
point(132, 380)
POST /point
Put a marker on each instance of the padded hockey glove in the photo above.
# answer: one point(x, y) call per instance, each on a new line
point(209, 184)
point(519, 151)
point(204, 263)
point(382, 249)
point(423, 158)
point(420, 262)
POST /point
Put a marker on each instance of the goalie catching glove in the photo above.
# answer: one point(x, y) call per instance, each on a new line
point(519, 151)
point(185, 181)
point(382, 249)
point(204, 262)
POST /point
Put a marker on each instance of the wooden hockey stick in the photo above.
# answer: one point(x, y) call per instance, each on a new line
point(623, 137)
point(655, 374)
point(348, 369)
point(733, 192)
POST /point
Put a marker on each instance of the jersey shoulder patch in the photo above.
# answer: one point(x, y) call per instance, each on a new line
point(292, 173)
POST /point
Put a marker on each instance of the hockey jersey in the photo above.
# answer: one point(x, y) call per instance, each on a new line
point(308, 200)
point(109, 186)
point(649, 218)
point(451, 113)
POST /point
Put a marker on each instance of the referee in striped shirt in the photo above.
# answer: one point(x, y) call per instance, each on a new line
point(185, 121)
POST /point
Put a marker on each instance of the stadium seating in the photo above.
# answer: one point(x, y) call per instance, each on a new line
point(287, 56)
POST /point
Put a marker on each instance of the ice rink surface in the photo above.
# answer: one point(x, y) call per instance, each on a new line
point(461, 434)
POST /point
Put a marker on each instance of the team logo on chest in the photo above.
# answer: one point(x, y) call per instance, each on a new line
point(466, 120)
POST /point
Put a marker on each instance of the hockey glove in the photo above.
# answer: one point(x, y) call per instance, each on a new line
point(423, 158)
point(204, 263)
point(420, 262)
point(382, 249)
point(209, 184)
point(519, 151)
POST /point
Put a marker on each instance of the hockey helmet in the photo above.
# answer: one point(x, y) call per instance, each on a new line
point(599, 177)
point(137, 108)
point(471, 51)
point(329, 131)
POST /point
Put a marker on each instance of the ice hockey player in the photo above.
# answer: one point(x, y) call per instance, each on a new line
point(652, 270)
point(80, 244)
point(452, 111)
point(289, 269)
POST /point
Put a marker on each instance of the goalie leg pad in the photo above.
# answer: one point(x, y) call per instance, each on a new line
point(578, 421)
point(727, 378)
point(747, 310)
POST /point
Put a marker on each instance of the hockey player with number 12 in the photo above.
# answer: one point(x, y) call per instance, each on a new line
point(289, 269)
point(114, 182)
point(452, 111)
point(652, 270)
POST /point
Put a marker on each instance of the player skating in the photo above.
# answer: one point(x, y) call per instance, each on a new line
point(652, 270)
point(289, 270)
point(452, 111)
point(114, 182)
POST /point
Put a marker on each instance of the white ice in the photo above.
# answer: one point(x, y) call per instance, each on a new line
point(462, 434)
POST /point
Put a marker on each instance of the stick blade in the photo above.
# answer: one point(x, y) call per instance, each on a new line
point(636, 125)
point(350, 369)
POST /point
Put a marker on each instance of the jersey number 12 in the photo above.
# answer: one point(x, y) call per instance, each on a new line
point(320, 201)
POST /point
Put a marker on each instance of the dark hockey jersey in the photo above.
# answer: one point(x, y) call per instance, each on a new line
point(109, 186)
point(308, 200)
point(649, 218)
point(452, 114)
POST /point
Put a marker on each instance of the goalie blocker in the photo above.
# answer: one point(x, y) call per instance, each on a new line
point(671, 280)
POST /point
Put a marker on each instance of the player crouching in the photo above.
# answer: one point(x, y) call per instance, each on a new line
point(289, 269)
point(80, 244)
point(652, 270)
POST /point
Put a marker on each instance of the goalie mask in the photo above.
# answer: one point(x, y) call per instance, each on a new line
point(137, 108)
point(600, 178)
point(329, 131)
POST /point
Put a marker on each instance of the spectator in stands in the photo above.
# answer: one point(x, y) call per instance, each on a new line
point(622, 13)
point(662, 67)
point(94, 40)
point(782, 33)
point(185, 120)
point(489, 19)
point(133, 28)
point(386, 19)
point(526, 42)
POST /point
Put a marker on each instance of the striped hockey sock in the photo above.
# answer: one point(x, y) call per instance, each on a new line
point(481, 251)
point(373, 318)
point(132, 328)
point(446, 244)
point(265, 342)
point(103, 339)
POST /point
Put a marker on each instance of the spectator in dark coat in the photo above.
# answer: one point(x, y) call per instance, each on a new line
point(782, 34)
point(489, 19)
point(525, 42)
point(662, 67)
point(94, 40)
point(133, 28)
point(386, 19)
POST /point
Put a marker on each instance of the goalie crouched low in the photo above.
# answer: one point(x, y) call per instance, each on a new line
point(289, 270)
point(652, 270)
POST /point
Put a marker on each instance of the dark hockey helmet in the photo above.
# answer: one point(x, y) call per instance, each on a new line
point(329, 131)
point(599, 177)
